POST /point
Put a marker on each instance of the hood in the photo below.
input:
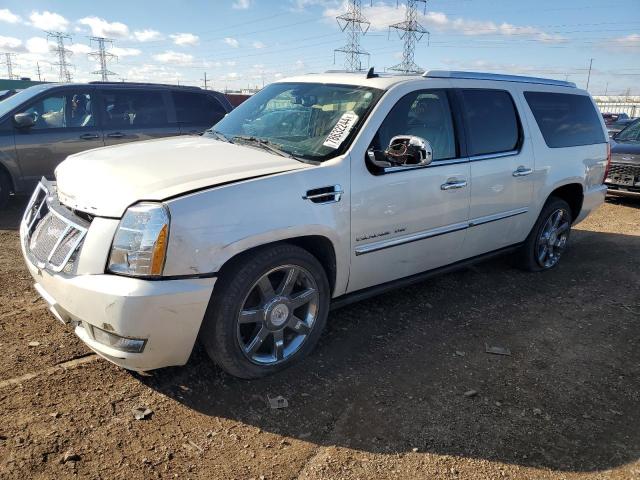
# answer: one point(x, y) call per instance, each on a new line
point(105, 181)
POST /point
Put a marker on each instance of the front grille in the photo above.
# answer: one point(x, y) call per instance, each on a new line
point(50, 232)
point(624, 169)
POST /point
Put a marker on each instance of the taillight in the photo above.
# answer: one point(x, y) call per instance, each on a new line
point(606, 169)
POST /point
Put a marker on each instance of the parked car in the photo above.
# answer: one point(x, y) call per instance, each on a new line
point(41, 125)
point(618, 126)
point(610, 118)
point(246, 236)
point(624, 174)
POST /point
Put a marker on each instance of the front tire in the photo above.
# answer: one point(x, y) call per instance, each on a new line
point(267, 312)
point(548, 239)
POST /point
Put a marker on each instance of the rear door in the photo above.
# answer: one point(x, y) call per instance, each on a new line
point(132, 114)
point(65, 123)
point(502, 167)
point(196, 112)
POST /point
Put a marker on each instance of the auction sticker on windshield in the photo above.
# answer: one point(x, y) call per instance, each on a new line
point(341, 130)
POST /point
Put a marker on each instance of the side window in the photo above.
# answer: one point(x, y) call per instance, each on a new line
point(199, 108)
point(134, 109)
point(426, 114)
point(491, 121)
point(566, 120)
point(630, 134)
point(62, 110)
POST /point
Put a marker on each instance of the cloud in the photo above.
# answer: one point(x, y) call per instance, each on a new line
point(241, 4)
point(174, 57)
point(258, 45)
point(102, 28)
point(232, 42)
point(8, 16)
point(49, 21)
point(146, 35)
point(11, 44)
point(79, 48)
point(38, 45)
point(627, 44)
point(231, 63)
point(153, 73)
point(184, 39)
point(125, 52)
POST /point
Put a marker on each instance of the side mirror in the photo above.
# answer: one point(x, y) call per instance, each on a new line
point(23, 120)
point(403, 151)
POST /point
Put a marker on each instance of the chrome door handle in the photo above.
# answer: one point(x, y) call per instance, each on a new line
point(522, 171)
point(453, 185)
point(115, 135)
point(89, 136)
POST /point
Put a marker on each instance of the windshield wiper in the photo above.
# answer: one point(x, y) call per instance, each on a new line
point(265, 144)
point(219, 136)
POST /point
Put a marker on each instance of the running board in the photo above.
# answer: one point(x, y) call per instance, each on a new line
point(365, 293)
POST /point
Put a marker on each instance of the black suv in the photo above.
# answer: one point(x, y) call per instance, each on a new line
point(41, 125)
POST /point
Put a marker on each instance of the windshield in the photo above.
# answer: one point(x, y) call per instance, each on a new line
point(630, 134)
point(307, 120)
point(13, 101)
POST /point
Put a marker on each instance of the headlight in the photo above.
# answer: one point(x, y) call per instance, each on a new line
point(140, 244)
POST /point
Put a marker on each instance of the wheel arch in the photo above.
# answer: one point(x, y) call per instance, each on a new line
point(6, 172)
point(573, 194)
point(319, 246)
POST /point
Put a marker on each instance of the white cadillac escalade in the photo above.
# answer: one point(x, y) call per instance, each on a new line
point(317, 191)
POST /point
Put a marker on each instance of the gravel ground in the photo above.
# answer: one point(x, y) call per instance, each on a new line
point(399, 387)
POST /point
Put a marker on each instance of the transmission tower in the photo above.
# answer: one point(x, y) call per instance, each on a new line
point(103, 57)
point(63, 64)
point(8, 61)
point(411, 32)
point(355, 25)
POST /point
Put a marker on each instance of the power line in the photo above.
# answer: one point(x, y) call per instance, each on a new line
point(412, 33)
point(63, 65)
point(103, 57)
point(355, 24)
point(8, 61)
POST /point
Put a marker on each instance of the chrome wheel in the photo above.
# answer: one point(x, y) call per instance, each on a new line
point(277, 315)
point(553, 238)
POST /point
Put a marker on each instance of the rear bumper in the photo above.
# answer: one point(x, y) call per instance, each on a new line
point(165, 313)
point(593, 198)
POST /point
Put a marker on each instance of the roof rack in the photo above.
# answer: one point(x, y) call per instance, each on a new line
point(145, 84)
point(499, 77)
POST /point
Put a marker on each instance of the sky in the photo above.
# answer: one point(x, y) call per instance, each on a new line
point(248, 43)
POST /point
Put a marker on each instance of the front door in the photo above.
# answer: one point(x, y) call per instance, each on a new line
point(405, 220)
point(130, 115)
point(64, 124)
point(502, 166)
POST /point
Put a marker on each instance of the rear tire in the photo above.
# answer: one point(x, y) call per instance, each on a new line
point(5, 189)
point(267, 311)
point(548, 238)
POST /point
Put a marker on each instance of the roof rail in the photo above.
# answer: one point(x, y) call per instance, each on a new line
point(499, 77)
point(145, 84)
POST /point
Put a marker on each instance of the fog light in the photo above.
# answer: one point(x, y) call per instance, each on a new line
point(124, 344)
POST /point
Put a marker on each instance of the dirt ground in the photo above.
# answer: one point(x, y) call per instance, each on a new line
point(383, 396)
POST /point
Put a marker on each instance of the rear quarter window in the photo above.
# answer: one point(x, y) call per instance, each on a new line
point(566, 120)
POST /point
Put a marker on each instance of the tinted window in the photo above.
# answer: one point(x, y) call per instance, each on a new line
point(69, 109)
point(197, 108)
point(127, 108)
point(491, 120)
point(565, 120)
point(425, 114)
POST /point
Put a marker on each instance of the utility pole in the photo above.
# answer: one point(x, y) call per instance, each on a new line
point(103, 57)
point(589, 75)
point(63, 64)
point(38, 67)
point(205, 81)
point(8, 61)
point(411, 32)
point(355, 25)
point(606, 89)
